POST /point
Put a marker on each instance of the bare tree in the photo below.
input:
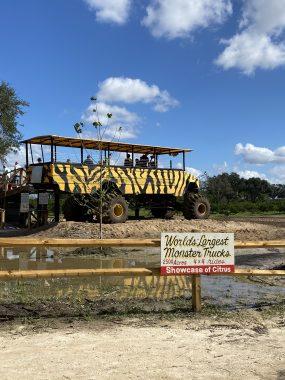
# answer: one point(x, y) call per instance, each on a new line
point(101, 129)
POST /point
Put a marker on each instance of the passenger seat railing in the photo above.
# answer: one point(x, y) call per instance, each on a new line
point(9, 180)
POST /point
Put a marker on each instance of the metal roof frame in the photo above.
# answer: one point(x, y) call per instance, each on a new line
point(114, 146)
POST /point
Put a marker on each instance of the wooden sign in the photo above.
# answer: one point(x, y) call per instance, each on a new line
point(25, 202)
point(197, 253)
point(43, 198)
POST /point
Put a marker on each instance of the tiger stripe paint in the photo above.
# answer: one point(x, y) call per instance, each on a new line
point(130, 181)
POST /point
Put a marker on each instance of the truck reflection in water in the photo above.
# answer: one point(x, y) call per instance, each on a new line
point(118, 287)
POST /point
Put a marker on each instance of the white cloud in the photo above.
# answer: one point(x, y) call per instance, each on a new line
point(221, 168)
point(251, 174)
point(248, 51)
point(120, 114)
point(259, 155)
point(259, 44)
point(128, 90)
point(123, 123)
point(278, 173)
point(116, 11)
point(280, 151)
point(19, 156)
point(178, 18)
point(195, 172)
point(266, 16)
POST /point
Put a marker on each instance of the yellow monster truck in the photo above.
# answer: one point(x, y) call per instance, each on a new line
point(122, 175)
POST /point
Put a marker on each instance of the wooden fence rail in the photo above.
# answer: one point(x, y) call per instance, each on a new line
point(132, 272)
point(66, 242)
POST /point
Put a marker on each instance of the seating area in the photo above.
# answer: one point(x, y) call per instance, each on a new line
point(76, 151)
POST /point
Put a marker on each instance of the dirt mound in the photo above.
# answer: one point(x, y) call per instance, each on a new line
point(153, 227)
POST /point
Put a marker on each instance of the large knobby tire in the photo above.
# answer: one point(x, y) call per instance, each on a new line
point(115, 209)
point(196, 206)
point(74, 209)
point(163, 213)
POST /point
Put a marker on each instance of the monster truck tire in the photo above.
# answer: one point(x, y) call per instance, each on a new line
point(74, 209)
point(164, 213)
point(195, 206)
point(115, 209)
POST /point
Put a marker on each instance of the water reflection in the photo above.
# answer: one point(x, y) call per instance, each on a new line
point(47, 258)
point(229, 291)
point(40, 258)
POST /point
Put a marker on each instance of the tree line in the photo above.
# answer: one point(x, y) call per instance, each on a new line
point(229, 194)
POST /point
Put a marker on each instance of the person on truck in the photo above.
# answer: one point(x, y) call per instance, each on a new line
point(88, 161)
point(152, 163)
point(144, 161)
point(128, 161)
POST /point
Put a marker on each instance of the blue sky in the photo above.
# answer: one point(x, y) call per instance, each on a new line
point(203, 74)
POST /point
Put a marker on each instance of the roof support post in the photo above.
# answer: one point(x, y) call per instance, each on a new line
point(183, 160)
point(42, 153)
point(81, 154)
point(51, 151)
point(32, 157)
point(27, 155)
point(109, 155)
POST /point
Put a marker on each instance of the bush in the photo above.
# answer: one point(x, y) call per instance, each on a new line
point(235, 207)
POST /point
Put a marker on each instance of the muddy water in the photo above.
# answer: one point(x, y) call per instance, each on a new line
point(227, 291)
point(99, 286)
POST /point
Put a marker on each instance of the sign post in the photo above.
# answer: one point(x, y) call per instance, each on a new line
point(196, 292)
point(25, 203)
point(42, 208)
point(43, 198)
point(196, 254)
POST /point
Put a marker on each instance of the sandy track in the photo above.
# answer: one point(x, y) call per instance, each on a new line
point(174, 351)
point(153, 227)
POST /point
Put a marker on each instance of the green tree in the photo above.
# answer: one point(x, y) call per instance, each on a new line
point(278, 191)
point(231, 193)
point(257, 188)
point(11, 107)
point(238, 185)
point(219, 188)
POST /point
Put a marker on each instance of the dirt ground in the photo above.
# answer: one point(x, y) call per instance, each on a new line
point(202, 348)
point(254, 228)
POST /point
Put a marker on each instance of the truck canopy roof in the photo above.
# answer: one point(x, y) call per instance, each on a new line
point(74, 142)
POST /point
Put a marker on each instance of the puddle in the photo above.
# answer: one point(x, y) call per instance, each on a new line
point(236, 292)
point(93, 287)
point(232, 292)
